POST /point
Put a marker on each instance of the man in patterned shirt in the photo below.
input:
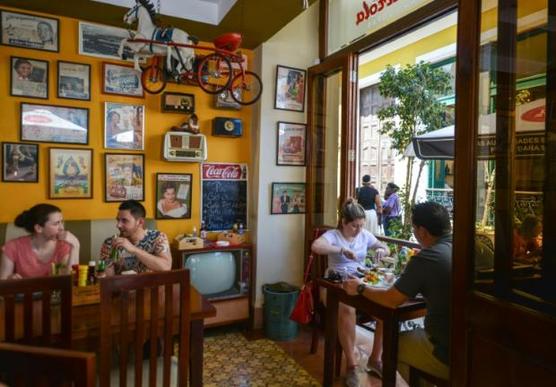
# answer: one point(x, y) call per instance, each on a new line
point(138, 249)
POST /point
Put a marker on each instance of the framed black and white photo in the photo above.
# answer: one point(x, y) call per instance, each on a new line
point(124, 126)
point(125, 177)
point(102, 41)
point(74, 80)
point(290, 88)
point(59, 124)
point(20, 162)
point(173, 196)
point(29, 31)
point(224, 100)
point(29, 77)
point(178, 103)
point(121, 80)
point(290, 143)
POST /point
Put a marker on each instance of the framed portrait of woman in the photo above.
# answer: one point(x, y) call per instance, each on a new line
point(29, 77)
point(124, 126)
point(173, 196)
point(70, 173)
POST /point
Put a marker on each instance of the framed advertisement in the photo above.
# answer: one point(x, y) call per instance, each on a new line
point(29, 31)
point(28, 77)
point(287, 198)
point(74, 80)
point(125, 177)
point(124, 126)
point(173, 196)
point(178, 103)
point(60, 124)
point(121, 80)
point(20, 162)
point(70, 173)
point(102, 41)
point(290, 143)
point(290, 88)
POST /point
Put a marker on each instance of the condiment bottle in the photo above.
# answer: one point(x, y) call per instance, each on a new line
point(240, 229)
point(203, 230)
point(91, 279)
point(194, 232)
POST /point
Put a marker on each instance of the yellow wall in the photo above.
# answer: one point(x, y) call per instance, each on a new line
point(16, 197)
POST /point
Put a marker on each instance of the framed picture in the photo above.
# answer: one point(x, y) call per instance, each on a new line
point(125, 177)
point(29, 77)
point(124, 126)
point(121, 80)
point(287, 198)
point(290, 88)
point(74, 80)
point(102, 41)
point(29, 31)
point(70, 173)
point(173, 196)
point(178, 103)
point(224, 100)
point(290, 143)
point(20, 162)
point(60, 124)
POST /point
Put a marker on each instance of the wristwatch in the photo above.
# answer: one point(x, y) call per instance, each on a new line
point(361, 288)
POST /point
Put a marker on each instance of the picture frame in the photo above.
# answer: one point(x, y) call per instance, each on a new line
point(124, 177)
point(224, 100)
point(74, 80)
point(121, 80)
point(178, 103)
point(287, 198)
point(124, 126)
point(54, 123)
point(20, 162)
point(70, 174)
point(29, 31)
point(291, 143)
point(290, 88)
point(173, 196)
point(28, 77)
point(103, 41)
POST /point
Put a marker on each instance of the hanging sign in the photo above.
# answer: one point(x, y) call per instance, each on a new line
point(350, 20)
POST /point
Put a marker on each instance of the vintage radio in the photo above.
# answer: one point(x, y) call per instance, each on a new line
point(228, 127)
point(182, 146)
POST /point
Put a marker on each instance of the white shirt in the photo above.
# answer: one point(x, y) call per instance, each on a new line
point(359, 245)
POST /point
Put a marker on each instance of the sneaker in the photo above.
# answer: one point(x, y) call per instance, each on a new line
point(352, 377)
point(375, 367)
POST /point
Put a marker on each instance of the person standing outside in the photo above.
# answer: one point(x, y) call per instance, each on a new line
point(391, 207)
point(369, 198)
point(428, 273)
point(139, 249)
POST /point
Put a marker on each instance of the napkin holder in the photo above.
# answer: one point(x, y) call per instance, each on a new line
point(189, 243)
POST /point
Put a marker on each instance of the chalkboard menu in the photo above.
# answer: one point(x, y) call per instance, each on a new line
point(224, 195)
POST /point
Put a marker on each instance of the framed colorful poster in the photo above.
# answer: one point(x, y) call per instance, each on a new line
point(70, 173)
point(122, 80)
point(74, 80)
point(20, 162)
point(29, 77)
point(287, 198)
point(178, 103)
point(290, 143)
point(61, 124)
point(173, 196)
point(125, 177)
point(29, 31)
point(124, 126)
point(290, 88)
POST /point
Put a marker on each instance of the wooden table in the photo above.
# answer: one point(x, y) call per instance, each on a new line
point(391, 317)
point(86, 328)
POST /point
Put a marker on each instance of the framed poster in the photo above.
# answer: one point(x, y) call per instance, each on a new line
point(29, 31)
point(173, 196)
point(70, 173)
point(125, 177)
point(102, 41)
point(28, 77)
point(60, 124)
point(290, 143)
point(74, 80)
point(124, 126)
point(287, 198)
point(20, 162)
point(290, 88)
point(178, 103)
point(121, 80)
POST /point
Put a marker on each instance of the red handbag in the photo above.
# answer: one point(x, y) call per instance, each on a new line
point(304, 310)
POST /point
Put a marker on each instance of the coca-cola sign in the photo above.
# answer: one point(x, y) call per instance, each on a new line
point(217, 171)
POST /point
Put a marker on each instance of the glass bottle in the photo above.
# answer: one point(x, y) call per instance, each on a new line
point(101, 269)
point(240, 229)
point(91, 279)
point(203, 230)
point(194, 232)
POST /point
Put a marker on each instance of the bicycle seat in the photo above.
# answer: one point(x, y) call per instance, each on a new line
point(229, 41)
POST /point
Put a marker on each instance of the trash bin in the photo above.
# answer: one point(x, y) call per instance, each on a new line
point(279, 300)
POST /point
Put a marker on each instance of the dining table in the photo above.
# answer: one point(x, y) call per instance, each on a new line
point(391, 318)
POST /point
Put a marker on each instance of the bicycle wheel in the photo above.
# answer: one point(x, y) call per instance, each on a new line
point(246, 88)
point(214, 73)
point(153, 79)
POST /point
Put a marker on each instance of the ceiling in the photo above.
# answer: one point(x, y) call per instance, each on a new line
point(257, 20)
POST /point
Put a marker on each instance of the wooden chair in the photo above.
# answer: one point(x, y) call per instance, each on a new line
point(36, 296)
point(416, 376)
point(136, 304)
point(23, 365)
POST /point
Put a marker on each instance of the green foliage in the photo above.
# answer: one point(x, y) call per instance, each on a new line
point(400, 230)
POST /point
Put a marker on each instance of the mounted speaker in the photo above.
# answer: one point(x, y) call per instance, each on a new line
point(228, 127)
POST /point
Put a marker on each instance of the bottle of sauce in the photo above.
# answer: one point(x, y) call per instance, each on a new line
point(91, 279)
point(203, 234)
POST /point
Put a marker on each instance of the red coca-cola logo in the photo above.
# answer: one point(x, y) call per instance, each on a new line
point(222, 171)
point(534, 115)
point(37, 119)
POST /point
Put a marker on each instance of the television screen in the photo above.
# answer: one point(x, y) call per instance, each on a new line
point(212, 272)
